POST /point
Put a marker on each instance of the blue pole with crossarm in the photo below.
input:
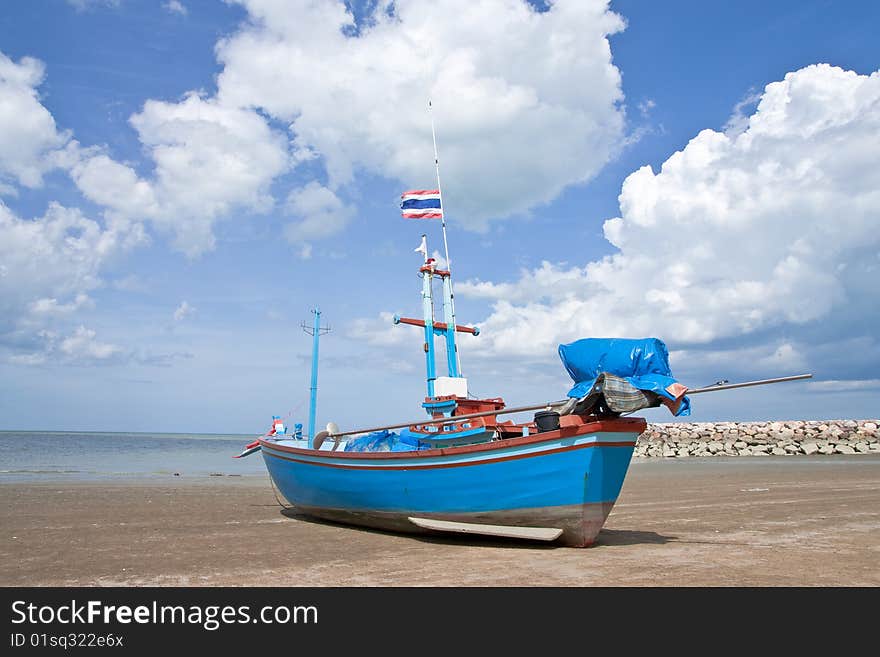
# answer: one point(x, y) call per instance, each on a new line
point(313, 389)
point(315, 331)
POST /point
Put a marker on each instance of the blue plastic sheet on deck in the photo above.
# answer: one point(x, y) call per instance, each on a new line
point(384, 441)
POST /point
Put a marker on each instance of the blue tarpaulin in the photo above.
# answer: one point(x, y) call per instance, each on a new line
point(384, 441)
point(643, 363)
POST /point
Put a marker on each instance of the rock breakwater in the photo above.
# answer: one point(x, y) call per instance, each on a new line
point(788, 438)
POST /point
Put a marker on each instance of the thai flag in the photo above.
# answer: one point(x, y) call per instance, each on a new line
point(421, 204)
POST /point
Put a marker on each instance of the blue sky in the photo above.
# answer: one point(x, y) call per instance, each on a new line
point(181, 182)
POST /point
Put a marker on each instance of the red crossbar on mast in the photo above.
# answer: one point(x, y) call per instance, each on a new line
point(437, 325)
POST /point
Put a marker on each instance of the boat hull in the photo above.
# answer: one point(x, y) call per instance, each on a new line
point(568, 479)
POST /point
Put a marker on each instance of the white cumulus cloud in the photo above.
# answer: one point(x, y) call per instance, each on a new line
point(351, 98)
point(768, 230)
point(81, 347)
point(47, 267)
point(84, 5)
point(28, 134)
point(503, 78)
point(183, 310)
point(175, 7)
point(319, 213)
point(209, 159)
point(50, 306)
point(833, 385)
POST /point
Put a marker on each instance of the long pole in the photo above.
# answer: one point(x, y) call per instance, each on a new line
point(454, 418)
point(552, 404)
point(313, 390)
point(694, 391)
point(445, 243)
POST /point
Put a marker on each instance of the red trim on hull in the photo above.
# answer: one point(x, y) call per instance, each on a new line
point(618, 425)
point(433, 466)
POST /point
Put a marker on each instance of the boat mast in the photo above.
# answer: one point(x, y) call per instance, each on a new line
point(455, 384)
point(427, 272)
point(452, 356)
point(316, 331)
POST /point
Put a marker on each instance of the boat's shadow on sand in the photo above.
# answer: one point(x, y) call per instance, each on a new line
point(611, 537)
point(606, 538)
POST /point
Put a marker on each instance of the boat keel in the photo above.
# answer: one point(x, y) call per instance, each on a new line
point(528, 533)
point(573, 525)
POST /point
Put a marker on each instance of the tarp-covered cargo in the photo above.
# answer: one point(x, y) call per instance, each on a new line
point(623, 375)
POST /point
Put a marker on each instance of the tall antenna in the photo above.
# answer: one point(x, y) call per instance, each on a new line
point(316, 331)
point(443, 224)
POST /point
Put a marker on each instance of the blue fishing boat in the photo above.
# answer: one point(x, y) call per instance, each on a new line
point(552, 477)
point(462, 469)
point(558, 484)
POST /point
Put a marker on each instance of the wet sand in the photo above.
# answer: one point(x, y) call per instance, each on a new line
point(735, 521)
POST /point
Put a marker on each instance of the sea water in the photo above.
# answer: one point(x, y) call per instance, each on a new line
point(56, 455)
point(35, 456)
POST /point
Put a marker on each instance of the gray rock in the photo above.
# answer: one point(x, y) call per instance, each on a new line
point(684, 439)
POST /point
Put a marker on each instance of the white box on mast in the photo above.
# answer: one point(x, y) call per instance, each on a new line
point(450, 385)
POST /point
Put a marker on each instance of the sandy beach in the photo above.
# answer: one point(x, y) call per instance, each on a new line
point(737, 521)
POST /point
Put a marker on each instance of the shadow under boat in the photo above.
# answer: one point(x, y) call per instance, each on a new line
point(606, 537)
